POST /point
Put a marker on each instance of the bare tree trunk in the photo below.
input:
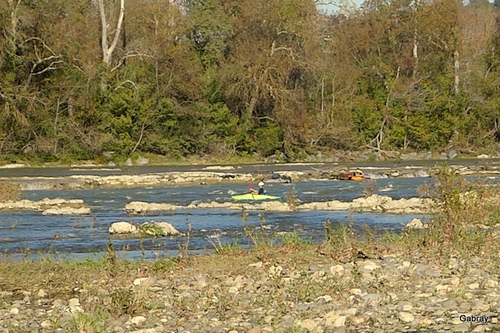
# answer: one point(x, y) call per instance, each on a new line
point(415, 51)
point(322, 96)
point(456, 70)
point(107, 50)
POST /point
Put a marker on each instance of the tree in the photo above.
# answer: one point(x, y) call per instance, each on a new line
point(107, 48)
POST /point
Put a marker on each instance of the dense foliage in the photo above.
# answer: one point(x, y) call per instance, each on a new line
point(233, 78)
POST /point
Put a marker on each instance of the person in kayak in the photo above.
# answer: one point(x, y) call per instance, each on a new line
point(261, 189)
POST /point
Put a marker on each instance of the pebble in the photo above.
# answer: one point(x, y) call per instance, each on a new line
point(406, 317)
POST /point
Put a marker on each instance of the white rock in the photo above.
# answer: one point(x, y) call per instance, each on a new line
point(46, 324)
point(67, 211)
point(74, 302)
point(275, 270)
point(406, 317)
point(142, 161)
point(491, 283)
point(143, 281)
point(122, 228)
point(324, 299)
point(337, 270)
point(41, 293)
point(355, 291)
point(74, 306)
point(415, 224)
point(14, 311)
point(370, 265)
point(350, 312)
point(334, 319)
point(426, 322)
point(309, 324)
point(166, 227)
point(474, 285)
point(256, 265)
point(138, 320)
point(232, 290)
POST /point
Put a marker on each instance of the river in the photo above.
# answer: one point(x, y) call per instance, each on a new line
point(30, 234)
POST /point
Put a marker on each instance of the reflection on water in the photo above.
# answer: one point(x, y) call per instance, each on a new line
point(22, 232)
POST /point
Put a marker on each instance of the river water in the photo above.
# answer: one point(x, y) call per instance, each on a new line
point(30, 234)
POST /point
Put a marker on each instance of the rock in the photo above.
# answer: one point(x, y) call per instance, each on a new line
point(164, 229)
point(141, 161)
point(309, 324)
point(405, 306)
point(406, 317)
point(74, 306)
point(324, 299)
point(461, 328)
point(254, 330)
point(122, 228)
point(46, 324)
point(416, 224)
point(67, 211)
point(452, 154)
point(337, 270)
point(422, 173)
point(424, 155)
point(128, 162)
point(138, 207)
point(256, 265)
point(369, 265)
point(483, 156)
point(408, 157)
point(111, 164)
point(144, 281)
point(334, 319)
point(138, 320)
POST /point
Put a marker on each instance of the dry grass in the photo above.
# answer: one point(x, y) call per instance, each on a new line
point(9, 192)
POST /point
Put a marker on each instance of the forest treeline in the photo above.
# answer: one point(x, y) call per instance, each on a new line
point(232, 78)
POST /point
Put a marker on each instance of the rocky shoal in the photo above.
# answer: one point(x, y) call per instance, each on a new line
point(374, 203)
point(385, 294)
point(225, 174)
point(57, 206)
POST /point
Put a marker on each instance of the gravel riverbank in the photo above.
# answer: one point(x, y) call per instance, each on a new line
point(296, 288)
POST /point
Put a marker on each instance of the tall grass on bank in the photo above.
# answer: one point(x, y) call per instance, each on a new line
point(463, 211)
point(9, 192)
point(461, 216)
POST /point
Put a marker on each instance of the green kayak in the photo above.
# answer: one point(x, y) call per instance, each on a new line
point(251, 196)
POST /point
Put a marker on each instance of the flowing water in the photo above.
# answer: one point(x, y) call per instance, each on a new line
point(32, 234)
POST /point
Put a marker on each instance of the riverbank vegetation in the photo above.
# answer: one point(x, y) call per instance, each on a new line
point(108, 80)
